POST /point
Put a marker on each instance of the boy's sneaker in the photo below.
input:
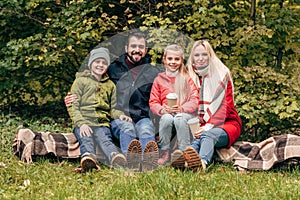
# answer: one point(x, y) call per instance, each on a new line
point(134, 154)
point(150, 156)
point(118, 160)
point(88, 163)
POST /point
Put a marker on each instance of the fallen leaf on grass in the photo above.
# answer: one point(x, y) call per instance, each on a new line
point(2, 164)
point(128, 173)
point(27, 183)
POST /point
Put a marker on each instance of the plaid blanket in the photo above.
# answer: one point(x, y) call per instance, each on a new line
point(244, 155)
point(263, 155)
point(28, 143)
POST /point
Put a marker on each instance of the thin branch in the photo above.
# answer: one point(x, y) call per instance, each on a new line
point(23, 14)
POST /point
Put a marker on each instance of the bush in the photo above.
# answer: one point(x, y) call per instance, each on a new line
point(266, 100)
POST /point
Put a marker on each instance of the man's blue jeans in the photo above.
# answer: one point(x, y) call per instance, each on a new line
point(101, 136)
point(125, 132)
point(215, 137)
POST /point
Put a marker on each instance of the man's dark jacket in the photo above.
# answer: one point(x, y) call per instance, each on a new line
point(133, 95)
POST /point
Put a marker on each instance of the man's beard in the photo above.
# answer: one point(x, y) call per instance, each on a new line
point(134, 61)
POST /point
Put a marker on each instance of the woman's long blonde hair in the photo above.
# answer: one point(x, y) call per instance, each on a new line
point(181, 86)
point(217, 72)
point(216, 65)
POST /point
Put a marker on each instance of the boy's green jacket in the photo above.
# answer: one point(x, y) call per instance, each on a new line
point(95, 103)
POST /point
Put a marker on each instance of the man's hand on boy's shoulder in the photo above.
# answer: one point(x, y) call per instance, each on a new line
point(69, 99)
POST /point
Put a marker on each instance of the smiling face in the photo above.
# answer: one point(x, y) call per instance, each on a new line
point(136, 49)
point(172, 60)
point(200, 57)
point(99, 67)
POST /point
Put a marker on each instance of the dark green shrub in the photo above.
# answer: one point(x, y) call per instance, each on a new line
point(267, 101)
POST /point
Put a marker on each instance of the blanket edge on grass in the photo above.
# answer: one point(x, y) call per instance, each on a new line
point(27, 143)
point(263, 155)
point(244, 155)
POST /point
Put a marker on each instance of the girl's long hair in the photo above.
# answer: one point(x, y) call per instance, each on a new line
point(181, 86)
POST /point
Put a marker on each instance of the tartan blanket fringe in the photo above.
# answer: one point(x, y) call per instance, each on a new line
point(263, 155)
point(28, 143)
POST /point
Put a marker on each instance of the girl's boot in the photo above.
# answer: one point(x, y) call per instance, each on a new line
point(165, 157)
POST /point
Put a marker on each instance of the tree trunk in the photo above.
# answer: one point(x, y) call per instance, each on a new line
point(279, 58)
point(280, 49)
point(253, 11)
point(281, 3)
point(211, 3)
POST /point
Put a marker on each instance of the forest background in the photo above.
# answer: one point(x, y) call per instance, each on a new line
point(44, 42)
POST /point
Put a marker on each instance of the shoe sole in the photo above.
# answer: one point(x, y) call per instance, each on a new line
point(119, 161)
point(150, 156)
point(178, 160)
point(88, 164)
point(192, 158)
point(133, 155)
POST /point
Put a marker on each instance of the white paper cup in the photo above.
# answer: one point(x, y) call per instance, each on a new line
point(172, 99)
point(194, 125)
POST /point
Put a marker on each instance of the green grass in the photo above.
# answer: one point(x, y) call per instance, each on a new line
point(55, 180)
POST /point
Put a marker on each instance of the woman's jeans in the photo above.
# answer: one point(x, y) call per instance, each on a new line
point(125, 132)
point(101, 136)
point(215, 137)
point(179, 121)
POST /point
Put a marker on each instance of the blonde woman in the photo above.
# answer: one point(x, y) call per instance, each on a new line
point(174, 80)
point(220, 122)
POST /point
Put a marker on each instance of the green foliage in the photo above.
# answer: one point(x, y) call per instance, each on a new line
point(43, 43)
point(267, 101)
point(39, 66)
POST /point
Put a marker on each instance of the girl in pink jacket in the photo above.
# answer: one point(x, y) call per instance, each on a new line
point(174, 80)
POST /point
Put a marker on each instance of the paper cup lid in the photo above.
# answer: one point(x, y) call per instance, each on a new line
point(193, 120)
point(172, 96)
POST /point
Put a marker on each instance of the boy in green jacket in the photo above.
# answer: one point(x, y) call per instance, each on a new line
point(92, 111)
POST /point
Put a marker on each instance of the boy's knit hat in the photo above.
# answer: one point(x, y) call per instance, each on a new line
point(99, 53)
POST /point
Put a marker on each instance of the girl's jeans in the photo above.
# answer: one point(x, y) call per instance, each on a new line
point(215, 137)
point(179, 121)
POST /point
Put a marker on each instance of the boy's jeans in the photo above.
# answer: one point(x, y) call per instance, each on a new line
point(101, 136)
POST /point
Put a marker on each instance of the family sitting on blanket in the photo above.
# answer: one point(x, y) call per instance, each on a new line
point(219, 120)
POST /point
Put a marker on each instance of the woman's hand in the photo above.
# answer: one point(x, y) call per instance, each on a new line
point(125, 118)
point(69, 99)
point(85, 130)
point(198, 133)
